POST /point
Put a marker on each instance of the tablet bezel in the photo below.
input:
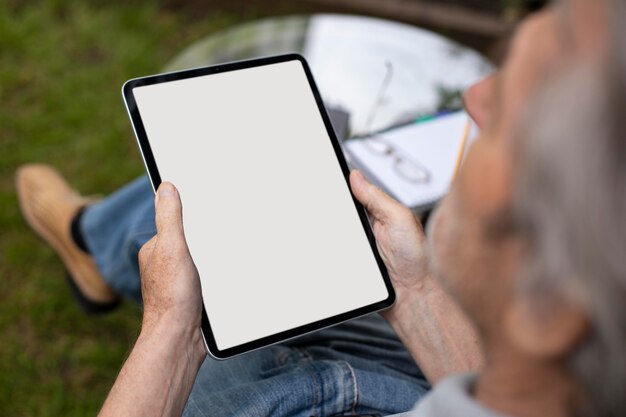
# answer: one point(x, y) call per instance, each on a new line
point(155, 179)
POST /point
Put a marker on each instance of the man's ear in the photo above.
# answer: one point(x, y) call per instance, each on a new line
point(549, 332)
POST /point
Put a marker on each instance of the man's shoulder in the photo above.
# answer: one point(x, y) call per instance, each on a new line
point(451, 398)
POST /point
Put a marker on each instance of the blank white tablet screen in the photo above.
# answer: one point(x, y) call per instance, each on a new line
point(268, 216)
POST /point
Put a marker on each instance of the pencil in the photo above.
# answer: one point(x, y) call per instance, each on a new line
point(459, 158)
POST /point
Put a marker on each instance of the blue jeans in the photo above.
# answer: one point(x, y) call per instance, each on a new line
point(356, 368)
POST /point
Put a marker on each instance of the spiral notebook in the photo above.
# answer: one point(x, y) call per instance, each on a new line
point(415, 163)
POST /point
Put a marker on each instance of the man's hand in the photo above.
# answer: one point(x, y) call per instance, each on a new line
point(399, 236)
point(160, 371)
point(169, 279)
point(426, 319)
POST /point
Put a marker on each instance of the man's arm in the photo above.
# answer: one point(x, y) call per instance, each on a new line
point(438, 335)
point(426, 319)
point(159, 373)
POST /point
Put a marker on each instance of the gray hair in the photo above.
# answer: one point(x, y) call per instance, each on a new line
point(570, 203)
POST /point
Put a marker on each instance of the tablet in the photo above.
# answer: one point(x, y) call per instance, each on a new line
point(281, 246)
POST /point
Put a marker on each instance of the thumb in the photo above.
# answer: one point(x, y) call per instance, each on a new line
point(378, 204)
point(169, 215)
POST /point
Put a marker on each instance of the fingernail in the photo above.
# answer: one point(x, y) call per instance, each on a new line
point(358, 176)
point(165, 190)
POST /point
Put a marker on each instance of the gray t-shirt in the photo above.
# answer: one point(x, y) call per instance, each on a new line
point(452, 397)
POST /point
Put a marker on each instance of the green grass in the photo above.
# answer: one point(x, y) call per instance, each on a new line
point(62, 64)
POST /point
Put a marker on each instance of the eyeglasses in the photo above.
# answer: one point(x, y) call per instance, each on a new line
point(380, 96)
point(407, 168)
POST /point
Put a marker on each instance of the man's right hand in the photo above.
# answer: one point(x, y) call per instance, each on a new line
point(399, 236)
point(426, 319)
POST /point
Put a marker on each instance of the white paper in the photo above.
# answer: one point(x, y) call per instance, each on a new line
point(435, 145)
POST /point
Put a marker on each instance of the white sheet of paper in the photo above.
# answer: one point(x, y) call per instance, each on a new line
point(433, 144)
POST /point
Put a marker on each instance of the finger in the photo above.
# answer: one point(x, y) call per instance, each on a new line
point(380, 205)
point(169, 214)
